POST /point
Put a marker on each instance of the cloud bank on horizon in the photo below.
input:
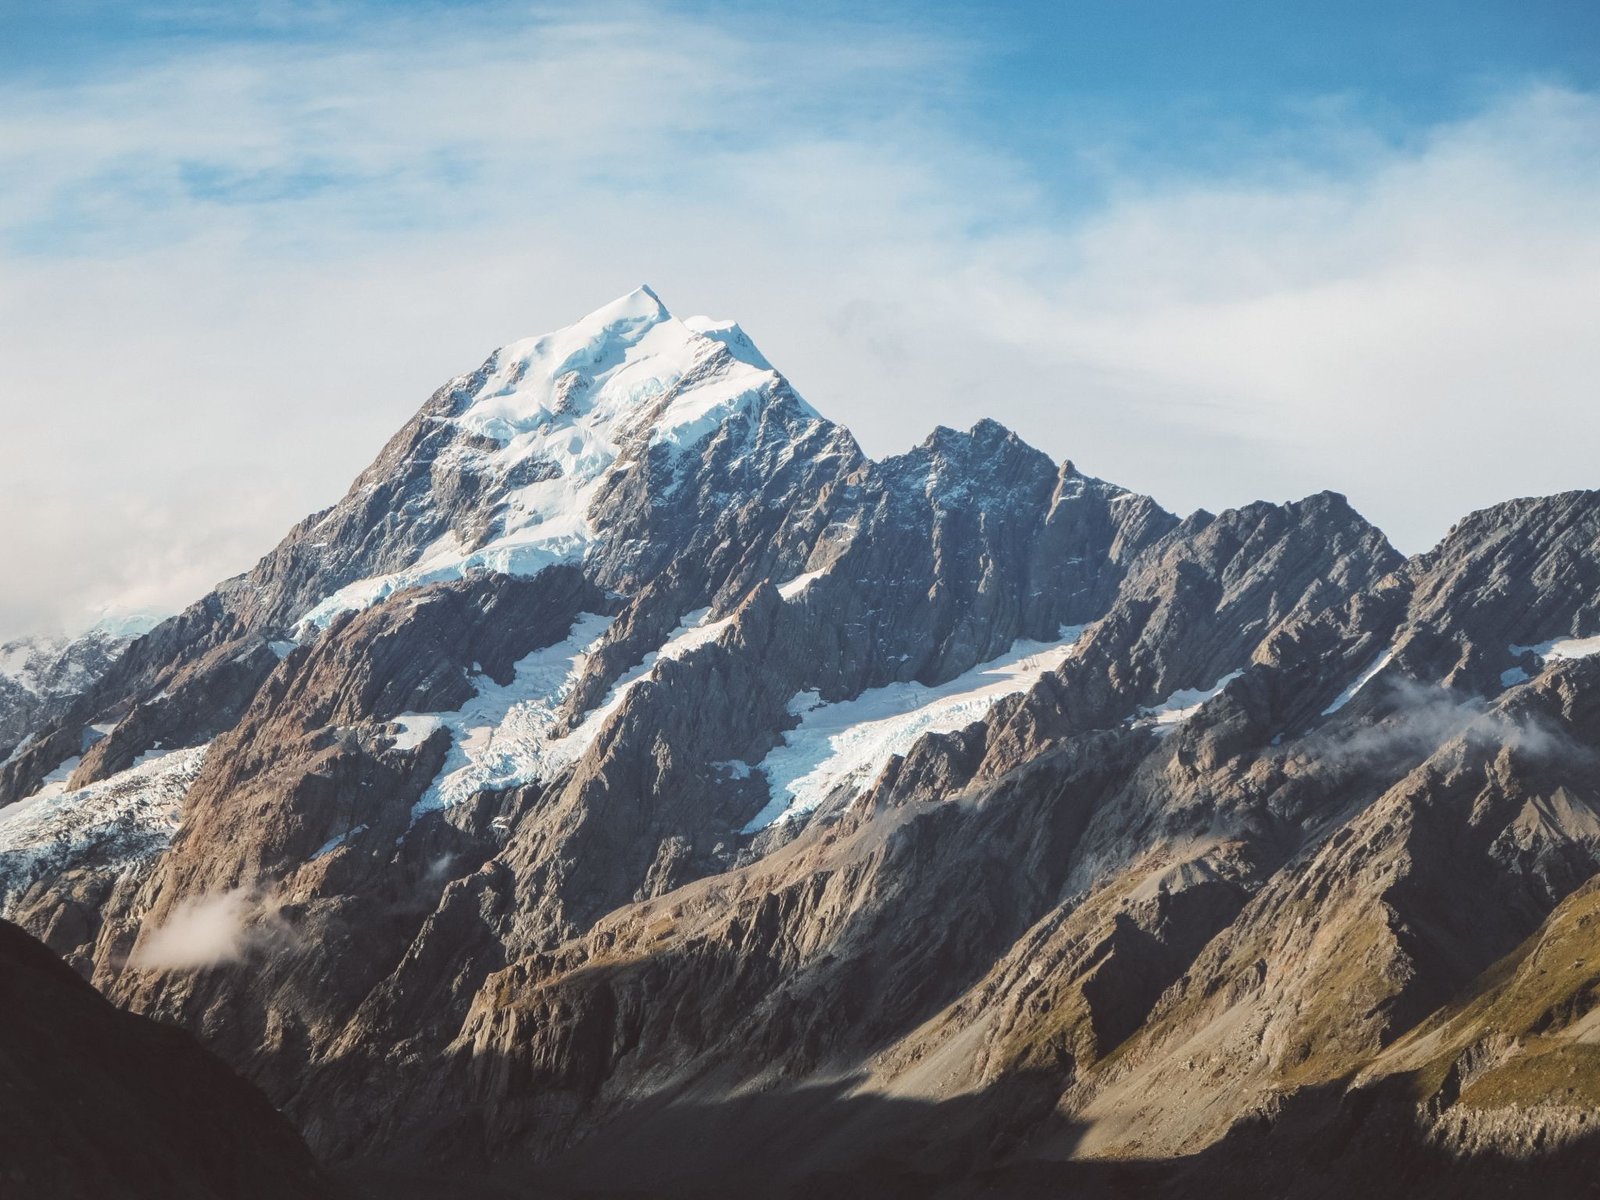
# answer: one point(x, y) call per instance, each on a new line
point(237, 251)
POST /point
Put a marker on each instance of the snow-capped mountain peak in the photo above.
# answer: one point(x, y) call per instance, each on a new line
point(542, 423)
point(626, 368)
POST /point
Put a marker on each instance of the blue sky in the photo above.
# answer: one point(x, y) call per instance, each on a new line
point(1422, 60)
point(1168, 69)
point(1215, 252)
point(1067, 90)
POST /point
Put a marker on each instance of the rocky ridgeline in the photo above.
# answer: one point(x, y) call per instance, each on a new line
point(1240, 856)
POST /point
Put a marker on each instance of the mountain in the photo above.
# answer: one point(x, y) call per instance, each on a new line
point(630, 787)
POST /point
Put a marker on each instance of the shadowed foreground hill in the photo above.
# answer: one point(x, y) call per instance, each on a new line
point(98, 1103)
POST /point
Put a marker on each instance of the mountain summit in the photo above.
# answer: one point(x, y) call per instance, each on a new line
point(630, 787)
point(525, 445)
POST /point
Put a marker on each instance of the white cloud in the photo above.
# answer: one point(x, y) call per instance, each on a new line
point(231, 275)
point(207, 932)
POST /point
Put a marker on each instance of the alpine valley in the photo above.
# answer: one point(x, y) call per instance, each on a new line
point(629, 788)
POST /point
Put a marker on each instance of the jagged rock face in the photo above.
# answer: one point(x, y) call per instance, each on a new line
point(96, 1102)
point(626, 746)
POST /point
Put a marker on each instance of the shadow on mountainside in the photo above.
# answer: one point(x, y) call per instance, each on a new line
point(1008, 1141)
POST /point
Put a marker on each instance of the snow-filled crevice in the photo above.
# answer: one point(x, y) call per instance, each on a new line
point(1181, 705)
point(1359, 682)
point(850, 742)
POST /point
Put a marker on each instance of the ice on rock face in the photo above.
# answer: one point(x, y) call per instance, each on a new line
point(850, 742)
point(501, 738)
point(112, 824)
point(560, 411)
point(1183, 704)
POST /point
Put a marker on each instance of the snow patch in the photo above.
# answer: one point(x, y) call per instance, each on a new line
point(692, 632)
point(1554, 650)
point(1182, 704)
point(799, 584)
point(55, 783)
point(1361, 681)
point(415, 728)
point(333, 843)
point(848, 743)
point(1561, 649)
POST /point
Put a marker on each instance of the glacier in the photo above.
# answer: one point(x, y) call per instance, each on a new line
point(849, 742)
point(502, 737)
point(116, 822)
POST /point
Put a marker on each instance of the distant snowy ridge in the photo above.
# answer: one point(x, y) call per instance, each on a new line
point(65, 665)
point(40, 676)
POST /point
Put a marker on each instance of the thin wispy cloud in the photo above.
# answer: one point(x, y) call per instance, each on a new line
point(213, 930)
point(229, 270)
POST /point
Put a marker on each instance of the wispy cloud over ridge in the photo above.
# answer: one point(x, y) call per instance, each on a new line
point(210, 931)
